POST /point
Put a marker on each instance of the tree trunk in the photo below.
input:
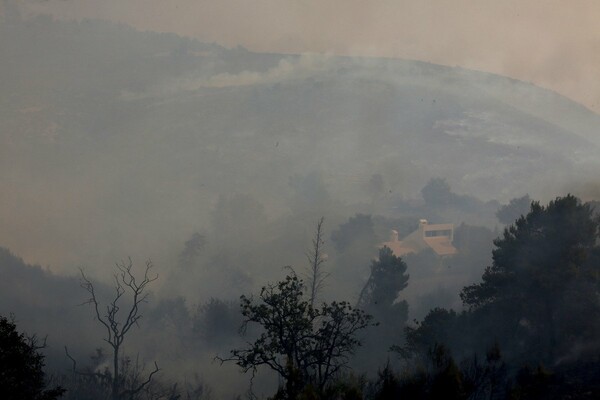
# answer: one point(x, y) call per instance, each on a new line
point(115, 380)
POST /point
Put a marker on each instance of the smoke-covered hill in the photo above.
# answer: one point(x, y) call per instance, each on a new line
point(117, 142)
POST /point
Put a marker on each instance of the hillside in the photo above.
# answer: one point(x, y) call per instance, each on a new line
point(127, 138)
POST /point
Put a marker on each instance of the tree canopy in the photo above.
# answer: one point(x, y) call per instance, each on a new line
point(379, 297)
point(22, 366)
point(306, 346)
point(539, 254)
point(542, 275)
point(510, 212)
point(388, 277)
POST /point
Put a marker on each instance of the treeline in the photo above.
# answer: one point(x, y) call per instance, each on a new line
point(527, 330)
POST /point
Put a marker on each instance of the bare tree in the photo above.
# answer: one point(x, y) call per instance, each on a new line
point(118, 319)
point(316, 258)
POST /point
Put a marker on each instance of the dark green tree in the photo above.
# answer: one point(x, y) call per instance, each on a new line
point(306, 346)
point(388, 277)
point(535, 384)
point(447, 379)
point(22, 366)
point(357, 230)
point(216, 322)
point(439, 326)
point(379, 297)
point(540, 261)
point(354, 243)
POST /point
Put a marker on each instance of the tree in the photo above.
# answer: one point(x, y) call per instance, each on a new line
point(387, 279)
point(379, 298)
point(21, 366)
point(118, 324)
point(193, 247)
point(438, 326)
point(316, 258)
point(437, 193)
point(358, 229)
point(539, 262)
point(306, 346)
point(216, 322)
point(510, 212)
point(354, 242)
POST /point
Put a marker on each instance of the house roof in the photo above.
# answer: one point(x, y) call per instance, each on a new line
point(439, 239)
point(398, 248)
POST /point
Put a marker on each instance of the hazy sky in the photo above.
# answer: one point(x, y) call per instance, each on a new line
point(554, 44)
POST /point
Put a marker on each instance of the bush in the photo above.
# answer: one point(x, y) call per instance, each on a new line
point(21, 366)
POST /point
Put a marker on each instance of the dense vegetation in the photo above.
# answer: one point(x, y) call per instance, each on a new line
point(21, 366)
point(528, 329)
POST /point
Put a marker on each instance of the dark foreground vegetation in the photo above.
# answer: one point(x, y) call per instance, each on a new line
point(528, 330)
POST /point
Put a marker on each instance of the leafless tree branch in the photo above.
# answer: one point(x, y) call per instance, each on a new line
point(316, 258)
point(118, 323)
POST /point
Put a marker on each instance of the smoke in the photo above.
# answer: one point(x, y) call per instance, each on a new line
point(577, 352)
point(305, 66)
point(552, 44)
point(217, 165)
point(287, 69)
